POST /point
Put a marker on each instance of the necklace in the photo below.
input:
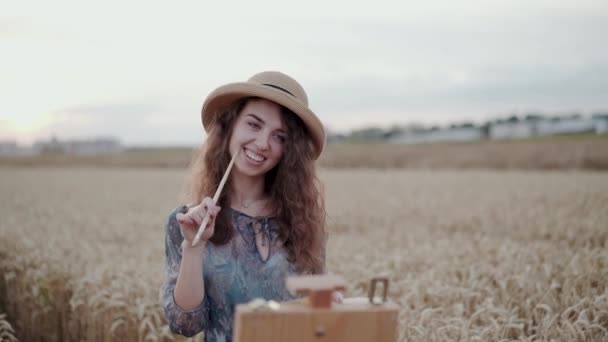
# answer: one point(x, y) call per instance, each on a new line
point(247, 205)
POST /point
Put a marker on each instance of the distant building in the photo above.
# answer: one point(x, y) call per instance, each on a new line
point(335, 138)
point(98, 146)
point(566, 126)
point(512, 130)
point(601, 123)
point(368, 134)
point(81, 147)
point(50, 146)
point(9, 148)
point(512, 127)
point(548, 126)
point(439, 135)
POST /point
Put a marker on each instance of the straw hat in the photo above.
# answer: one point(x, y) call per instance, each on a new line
point(271, 85)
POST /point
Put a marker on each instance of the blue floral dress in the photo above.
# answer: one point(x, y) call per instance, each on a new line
point(234, 273)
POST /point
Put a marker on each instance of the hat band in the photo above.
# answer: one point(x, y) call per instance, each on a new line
point(277, 87)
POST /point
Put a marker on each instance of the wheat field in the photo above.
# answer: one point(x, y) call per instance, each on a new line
point(472, 255)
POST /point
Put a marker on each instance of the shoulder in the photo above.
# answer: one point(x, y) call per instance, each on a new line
point(181, 209)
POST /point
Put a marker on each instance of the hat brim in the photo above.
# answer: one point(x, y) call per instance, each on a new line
point(225, 95)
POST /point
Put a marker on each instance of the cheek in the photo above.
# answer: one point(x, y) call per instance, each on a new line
point(279, 150)
point(231, 144)
point(235, 142)
point(238, 135)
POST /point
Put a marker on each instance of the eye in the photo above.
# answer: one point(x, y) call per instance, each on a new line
point(254, 125)
point(279, 138)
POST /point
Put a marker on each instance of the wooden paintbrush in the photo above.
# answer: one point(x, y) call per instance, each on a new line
point(201, 229)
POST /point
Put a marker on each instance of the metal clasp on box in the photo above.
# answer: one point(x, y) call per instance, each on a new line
point(372, 290)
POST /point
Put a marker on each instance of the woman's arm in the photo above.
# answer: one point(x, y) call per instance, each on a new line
point(182, 292)
point(190, 288)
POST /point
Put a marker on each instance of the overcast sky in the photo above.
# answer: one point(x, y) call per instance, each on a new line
point(140, 71)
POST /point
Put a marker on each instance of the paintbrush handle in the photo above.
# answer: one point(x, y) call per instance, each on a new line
point(201, 229)
point(206, 218)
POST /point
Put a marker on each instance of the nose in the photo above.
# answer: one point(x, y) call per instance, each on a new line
point(262, 141)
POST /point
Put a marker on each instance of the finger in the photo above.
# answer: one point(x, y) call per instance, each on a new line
point(198, 215)
point(211, 220)
point(208, 203)
point(214, 210)
point(197, 219)
point(183, 218)
point(213, 216)
point(192, 221)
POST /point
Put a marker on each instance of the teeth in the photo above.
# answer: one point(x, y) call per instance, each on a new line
point(253, 156)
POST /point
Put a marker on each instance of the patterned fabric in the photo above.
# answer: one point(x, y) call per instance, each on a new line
point(233, 274)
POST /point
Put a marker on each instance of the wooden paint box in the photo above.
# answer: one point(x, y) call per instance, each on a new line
point(316, 318)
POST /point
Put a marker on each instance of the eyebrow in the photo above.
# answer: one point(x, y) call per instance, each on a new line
point(263, 122)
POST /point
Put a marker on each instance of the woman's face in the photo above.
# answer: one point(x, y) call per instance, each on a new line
point(260, 133)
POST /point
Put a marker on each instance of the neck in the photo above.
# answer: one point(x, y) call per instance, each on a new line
point(245, 189)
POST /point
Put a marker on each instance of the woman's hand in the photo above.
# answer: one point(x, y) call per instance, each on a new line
point(191, 221)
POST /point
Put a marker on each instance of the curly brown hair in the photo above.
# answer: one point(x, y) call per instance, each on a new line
point(295, 191)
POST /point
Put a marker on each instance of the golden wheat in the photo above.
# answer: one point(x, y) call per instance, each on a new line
point(471, 255)
point(7, 333)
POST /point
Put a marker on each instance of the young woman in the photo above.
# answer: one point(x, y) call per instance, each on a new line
point(269, 222)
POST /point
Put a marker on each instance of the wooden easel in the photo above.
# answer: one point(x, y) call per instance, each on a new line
point(316, 318)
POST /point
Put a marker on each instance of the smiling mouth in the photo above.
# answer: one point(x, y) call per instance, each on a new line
point(254, 156)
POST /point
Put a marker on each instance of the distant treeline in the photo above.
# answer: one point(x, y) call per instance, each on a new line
point(376, 133)
point(588, 152)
